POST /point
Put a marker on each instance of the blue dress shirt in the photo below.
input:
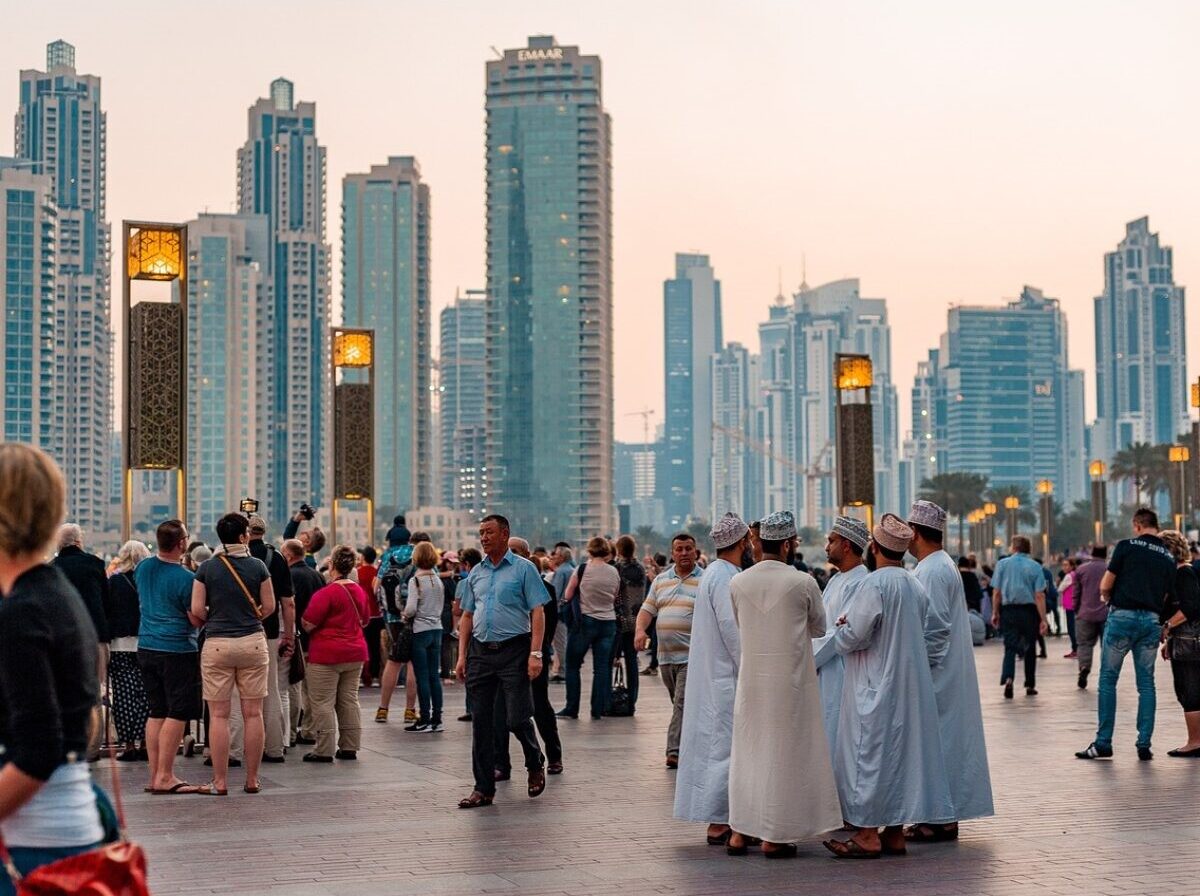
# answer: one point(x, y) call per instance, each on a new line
point(501, 596)
point(1019, 577)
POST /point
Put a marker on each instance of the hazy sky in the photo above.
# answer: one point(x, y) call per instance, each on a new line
point(943, 152)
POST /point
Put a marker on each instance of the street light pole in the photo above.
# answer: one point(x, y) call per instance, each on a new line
point(1179, 455)
point(1045, 488)
point(1096, 470)
point(1011, 505)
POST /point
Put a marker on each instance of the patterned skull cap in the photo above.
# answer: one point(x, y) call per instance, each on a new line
point(892, 533)
point(258, 524)
point(853, 530)
point(778, 526)
point(928, 514)
point(729, 530)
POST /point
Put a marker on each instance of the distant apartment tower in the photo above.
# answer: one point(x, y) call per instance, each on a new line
point(691, 335)
point(776, 482)
point(229, 364)
point(61, 132)
point(634, 478)
point(385, 287)
point(1141, 352)
point(549, 293)
point(461, 395)
point(28, 226)
point(1009, 401)
point(281, 174)
point(734, 461)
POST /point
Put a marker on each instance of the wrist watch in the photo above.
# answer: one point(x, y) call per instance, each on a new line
point(536, 653)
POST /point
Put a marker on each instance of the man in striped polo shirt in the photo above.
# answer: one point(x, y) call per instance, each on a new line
point(671, 600)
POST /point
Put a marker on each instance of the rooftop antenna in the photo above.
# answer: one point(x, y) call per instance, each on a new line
point(803, 271)
point(499, 55)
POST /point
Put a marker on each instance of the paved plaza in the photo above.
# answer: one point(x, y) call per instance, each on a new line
point(387, 824)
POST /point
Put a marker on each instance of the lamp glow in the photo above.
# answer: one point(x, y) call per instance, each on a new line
point(854, 372)
point(353, 349)
point(155, 253)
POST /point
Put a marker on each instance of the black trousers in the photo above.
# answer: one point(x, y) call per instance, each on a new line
point(623, 647)
point(499, 671)
point(1020, 624)
point(372, 668)
point(543, 717)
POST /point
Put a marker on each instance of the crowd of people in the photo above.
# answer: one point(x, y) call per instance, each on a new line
point(801, 702)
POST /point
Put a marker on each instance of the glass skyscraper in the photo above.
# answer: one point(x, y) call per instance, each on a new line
point(734, 463)
point(385, 287)
point(461, 402)
point(229, 364)
point(281, 174)
point(549, 293)
point(61, 133)
point(691, 336)
point(1141, 351)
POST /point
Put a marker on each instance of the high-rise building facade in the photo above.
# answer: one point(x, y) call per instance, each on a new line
point(28, 225)
point(61, 132)
point(385, 287)
point(1008, 397)
point(461, 402)
point(734, 462)
point(549, 293)
point(281, 174)
point(229, 364)
point(691, 335)
point(777, 480)
point(1141, 352)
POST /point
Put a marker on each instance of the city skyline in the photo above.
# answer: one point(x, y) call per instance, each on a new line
point(1002, 175)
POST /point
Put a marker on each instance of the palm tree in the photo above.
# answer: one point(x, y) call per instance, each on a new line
point(1144, 465)
point(648, 538)
point(1025, 514)
point(699, 530)
point(958, 494)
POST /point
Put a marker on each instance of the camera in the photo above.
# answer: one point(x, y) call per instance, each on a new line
point(307, 511)
point(249, 506)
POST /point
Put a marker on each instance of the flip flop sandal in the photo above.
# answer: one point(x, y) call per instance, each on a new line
point(176, 788)
point(256, 789)
point(850, 849)
point(210, 789)
point(783, 851)
point(475, 801)
point(925, 833)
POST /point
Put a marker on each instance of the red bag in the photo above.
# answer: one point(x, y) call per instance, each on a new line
point(114, 869)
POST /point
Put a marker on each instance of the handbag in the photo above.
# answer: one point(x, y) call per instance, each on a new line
point(620, 702)
point(297, 667)
point(1184, 643)
point(114, 869)
point(258, 613)
point(572, 610)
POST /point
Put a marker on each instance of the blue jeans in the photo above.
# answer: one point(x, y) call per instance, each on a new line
point(595, 635)
point(27, 858)
point(426, 656)
point(1136, 632)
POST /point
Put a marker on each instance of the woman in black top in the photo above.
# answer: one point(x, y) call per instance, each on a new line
point(48, 676)
point(633, 592)
point(1181, 628)
point(130, 705)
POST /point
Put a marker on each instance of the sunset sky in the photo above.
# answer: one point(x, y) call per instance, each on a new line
point(943, 152)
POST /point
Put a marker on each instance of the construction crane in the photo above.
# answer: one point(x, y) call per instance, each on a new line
point(645, 414)
point(812, 473)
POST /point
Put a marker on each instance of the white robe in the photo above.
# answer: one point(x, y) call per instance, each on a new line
point(831, 668)
point(780, 778)
point(956, 686)
point(888, 763)
point(702, 783)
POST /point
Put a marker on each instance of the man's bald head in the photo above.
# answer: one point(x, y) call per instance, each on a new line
point(519, 546)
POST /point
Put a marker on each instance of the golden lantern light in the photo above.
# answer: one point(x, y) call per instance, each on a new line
point(854, 372)
point(353, 348)
point(155, 253)
point(1045, 487)
point(1096, 469)
point(1012, 502)
point(1179, 454)
point(989, 509)
point(1196, 394)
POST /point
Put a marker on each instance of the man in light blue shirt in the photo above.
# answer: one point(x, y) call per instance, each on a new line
point(1019, 611)
point(499, 653)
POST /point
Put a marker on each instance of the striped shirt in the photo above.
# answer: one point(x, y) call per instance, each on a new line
point(671, 601)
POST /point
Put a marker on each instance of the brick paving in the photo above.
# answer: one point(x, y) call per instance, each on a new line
point(388, 823)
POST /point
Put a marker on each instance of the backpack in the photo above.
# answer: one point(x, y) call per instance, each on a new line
point(392, 578)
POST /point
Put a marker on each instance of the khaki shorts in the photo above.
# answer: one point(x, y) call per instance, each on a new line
point(226, 661)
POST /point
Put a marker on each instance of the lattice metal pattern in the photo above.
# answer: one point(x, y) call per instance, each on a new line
point(354, 441)
point(155, 386)
point(856, 455)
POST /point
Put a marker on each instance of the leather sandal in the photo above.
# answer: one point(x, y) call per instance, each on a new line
point(537, 782)
point(850, 849)
point(721, 839)
point(930, 833)
point(781, 851)
point(475, 800)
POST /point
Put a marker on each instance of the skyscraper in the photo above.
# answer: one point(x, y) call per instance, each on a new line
point(385, 287)
point(461, 396)
point(28, 223)
point(773, 415)
point(1141, 353)
point(691, 335)
point(281, 174)
point(549, 292)
point(734, 388)
point(1009, 401)
point(229, 364)
point(61, 131)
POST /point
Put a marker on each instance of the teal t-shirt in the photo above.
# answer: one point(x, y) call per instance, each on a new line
point(164, 596)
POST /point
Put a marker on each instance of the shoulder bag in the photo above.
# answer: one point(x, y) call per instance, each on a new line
point(258, 613)
point(117, 867)
point(1184, 643)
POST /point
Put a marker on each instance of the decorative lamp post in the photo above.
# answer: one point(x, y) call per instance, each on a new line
point(1179, 455)
point(352, 358)
point(1011, 505)
point(989, 527)
point(1097, 470)
point(154, 424)
point(1045, 488)
point(853, 377)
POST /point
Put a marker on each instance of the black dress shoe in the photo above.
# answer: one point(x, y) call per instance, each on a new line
point(317, 757)
point(348, 755)
point(563, 714)
point(1008, 689)
point(307, 741)
point(465, 717)
point(1082, 680)
point(274, 759)
point(1144, 754)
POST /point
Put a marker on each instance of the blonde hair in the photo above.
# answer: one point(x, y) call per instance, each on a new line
point(343, 559)
point(1177, 544)
point(33, 499)
point(131, 554)
point(425, 555)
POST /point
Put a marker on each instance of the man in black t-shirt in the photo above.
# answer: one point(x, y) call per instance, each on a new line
point(1140, 575)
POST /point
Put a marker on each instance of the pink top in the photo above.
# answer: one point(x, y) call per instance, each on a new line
point(339, 611)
